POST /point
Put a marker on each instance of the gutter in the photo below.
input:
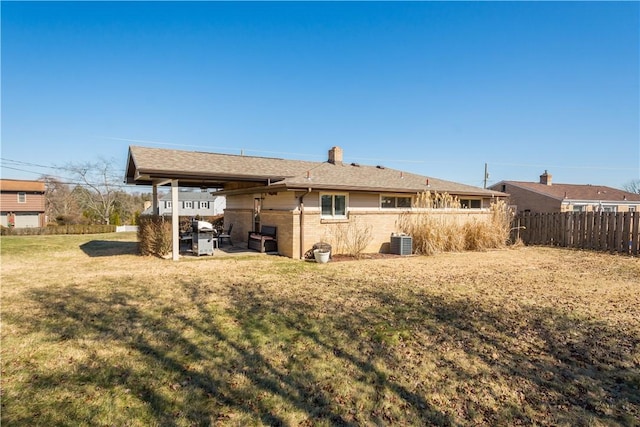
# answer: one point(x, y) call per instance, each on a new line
point(301, 198)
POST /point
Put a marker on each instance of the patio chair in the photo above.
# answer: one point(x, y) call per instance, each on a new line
point(225, 235)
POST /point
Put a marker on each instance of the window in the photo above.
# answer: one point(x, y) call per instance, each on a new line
point(470, 203)
point(390, 202)
point(204, 205)
point(579, 208)
point(22, 197)
point(188, 205)
point(333, 205)
point(632, 208)
point(167, 205)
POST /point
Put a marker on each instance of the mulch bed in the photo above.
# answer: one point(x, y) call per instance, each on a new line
point(340, 258)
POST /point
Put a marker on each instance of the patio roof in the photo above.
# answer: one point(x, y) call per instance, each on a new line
point(199, 169)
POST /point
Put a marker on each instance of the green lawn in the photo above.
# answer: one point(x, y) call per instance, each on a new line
point(94, 335)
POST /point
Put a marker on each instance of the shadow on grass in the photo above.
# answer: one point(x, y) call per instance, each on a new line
point(102, 248)
point(566, 369)
point(262, 357)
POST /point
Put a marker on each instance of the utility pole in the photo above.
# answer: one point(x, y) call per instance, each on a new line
point(486, 174)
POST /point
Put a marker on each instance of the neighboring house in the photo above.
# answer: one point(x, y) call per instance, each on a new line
point(22, 203)
point(190, 203)
point(305, 200)
point(546, 196)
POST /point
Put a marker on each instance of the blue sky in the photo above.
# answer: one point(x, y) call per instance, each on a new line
point(435, 88)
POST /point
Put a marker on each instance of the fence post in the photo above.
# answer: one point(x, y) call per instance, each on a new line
point(619, 244)
point(626, 232)
point(527, 231)
point(569, 222)
point(611, 230)
point(635, 247)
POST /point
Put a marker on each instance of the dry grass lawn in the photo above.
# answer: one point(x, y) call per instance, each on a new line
point(93, 334)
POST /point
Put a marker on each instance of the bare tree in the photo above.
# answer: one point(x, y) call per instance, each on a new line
point(632, 186)
point(61, 204)
point(100, 182)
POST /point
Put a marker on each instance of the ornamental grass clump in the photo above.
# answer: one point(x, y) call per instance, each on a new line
point(431, 229)
point(154, 235)
point(491, 234)
point(435, 227)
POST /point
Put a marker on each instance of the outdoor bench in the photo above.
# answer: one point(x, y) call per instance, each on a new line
point(265, 240)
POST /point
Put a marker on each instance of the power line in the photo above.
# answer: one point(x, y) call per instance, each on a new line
point(18, 162)
point(65, 180)
point(561, 167)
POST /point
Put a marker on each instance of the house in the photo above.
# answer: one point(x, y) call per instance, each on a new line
point(305, 200)
point(22, 203)
point(546, 196)
point(190, 203)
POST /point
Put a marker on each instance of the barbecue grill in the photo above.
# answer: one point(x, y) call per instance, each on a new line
point(202, 238)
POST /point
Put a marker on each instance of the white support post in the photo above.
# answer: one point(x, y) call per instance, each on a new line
point(175, 226)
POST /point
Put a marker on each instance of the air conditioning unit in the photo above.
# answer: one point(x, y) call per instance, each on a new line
point(401, 244)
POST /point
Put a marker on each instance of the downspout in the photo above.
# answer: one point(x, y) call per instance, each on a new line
point(302, 222)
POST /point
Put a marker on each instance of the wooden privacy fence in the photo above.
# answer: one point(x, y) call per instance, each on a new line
point(616, 232)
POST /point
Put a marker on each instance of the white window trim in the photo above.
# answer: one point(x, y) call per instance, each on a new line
point(395, 196)
point(336, 193)
point(470, 199)
point(24, 197)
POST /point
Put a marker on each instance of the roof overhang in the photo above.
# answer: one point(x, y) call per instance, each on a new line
point(346, 188)
point(147, 177)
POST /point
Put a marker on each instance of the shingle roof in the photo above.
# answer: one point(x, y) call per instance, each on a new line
point(577, 192)
point(157, 162)
point(190, 196)
point(375, 178)
point(146, 164)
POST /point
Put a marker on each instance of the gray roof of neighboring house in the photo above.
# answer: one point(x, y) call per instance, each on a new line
point(190, 195)
point(589, 192)
point(212, 169)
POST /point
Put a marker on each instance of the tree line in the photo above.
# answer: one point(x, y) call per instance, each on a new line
point(94, 194)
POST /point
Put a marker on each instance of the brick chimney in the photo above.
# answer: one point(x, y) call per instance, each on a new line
point(335, 155)
point(545, 178)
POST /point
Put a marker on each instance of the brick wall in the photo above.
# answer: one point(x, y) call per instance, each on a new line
point(528, 200)
point(381, 222)
point(288, 230)
point(242, 220)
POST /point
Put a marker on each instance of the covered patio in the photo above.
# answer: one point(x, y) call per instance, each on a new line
point(154, 167)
